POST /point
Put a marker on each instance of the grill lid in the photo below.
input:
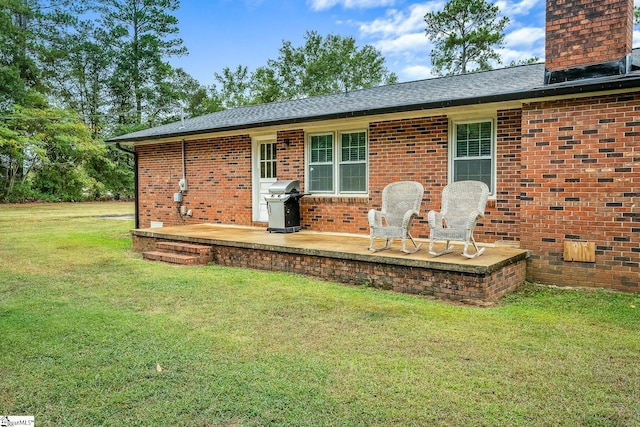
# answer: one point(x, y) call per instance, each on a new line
point(285, 187)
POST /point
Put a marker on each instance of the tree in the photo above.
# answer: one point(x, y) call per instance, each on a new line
point(179, 96)
point(636, 15)
point(18, 69)
point(105, 61)
point(265, 86)
point(465, 32)
point(143, 33)
point(201, 102)
point(26, 28)
point(68, 146)
point(236, 87)
point(528, 61)
point(111, 174)
point(46, 147)
point(323, 65)
point(47, 48)
point(82, 71)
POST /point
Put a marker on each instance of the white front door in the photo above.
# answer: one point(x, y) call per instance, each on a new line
point(266, 175)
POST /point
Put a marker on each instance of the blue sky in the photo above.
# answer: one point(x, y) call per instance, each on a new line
point(228, 33)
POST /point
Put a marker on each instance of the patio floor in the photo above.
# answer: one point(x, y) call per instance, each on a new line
point(346, 258)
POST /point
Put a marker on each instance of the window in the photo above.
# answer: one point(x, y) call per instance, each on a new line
point(321, 163)
point(341, 160)
point(473, 152)
point(353, 162)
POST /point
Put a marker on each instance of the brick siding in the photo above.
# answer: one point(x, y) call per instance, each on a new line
point(566, 170)
point(449, 285)
point(502, 223)
point(587, 32)
point(218, 175)
point(417, 150)
point(581, 181)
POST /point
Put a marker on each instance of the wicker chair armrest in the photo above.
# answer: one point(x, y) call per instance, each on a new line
point(408, 216)
point(473, 218)
point(435, 219)
point(375, 218)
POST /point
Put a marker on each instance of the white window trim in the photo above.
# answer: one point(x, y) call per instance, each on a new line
point(494, 143)
point(337, 161)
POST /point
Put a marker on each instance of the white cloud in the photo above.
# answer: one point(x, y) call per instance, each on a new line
point(417, 72)
point(398, 22)
point(524, 37)
point(523, 44)
point(522, 7)
point(399, 34)
point(349, 4)
point(404, 43)
point(510, 55)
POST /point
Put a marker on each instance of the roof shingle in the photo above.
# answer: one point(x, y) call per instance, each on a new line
point(520, 82)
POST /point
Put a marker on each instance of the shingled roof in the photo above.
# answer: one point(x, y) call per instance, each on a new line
point(506, 84)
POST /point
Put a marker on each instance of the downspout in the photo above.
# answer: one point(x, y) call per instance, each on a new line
point(135, 180)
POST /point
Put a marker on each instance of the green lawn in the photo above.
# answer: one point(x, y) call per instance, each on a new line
point(92, 335)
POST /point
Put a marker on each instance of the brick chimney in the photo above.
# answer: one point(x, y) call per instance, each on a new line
point(587, 38)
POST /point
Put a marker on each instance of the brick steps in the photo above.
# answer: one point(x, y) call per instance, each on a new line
point(180, 253)
point(184, 248)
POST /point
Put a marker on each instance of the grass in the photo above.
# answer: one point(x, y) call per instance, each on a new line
point(93, 335)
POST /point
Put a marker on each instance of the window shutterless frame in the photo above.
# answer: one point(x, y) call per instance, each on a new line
point(472, 149)
point(353, 167)
point(320, 163)
point(337, 162)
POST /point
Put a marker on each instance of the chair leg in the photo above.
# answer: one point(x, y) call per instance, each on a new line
point(415, 246)
point(386, 246)
point(448, 248)
point(466, 246)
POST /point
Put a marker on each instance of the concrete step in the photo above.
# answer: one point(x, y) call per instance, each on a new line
point(173, 258)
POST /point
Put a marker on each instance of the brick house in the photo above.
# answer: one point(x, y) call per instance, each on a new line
point(557, 143)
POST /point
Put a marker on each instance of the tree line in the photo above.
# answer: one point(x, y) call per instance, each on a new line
point(74, 72)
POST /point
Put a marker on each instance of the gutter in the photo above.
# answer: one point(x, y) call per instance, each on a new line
point(135, 180)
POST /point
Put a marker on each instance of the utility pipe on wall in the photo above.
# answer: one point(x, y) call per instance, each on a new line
point(183, 181)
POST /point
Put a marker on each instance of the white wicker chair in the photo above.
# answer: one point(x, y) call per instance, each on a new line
point(463, 203)
point(400, 204)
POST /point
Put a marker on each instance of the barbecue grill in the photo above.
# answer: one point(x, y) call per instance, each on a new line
point(283, 206)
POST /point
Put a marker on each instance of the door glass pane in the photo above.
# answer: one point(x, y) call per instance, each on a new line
point(268, 160)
